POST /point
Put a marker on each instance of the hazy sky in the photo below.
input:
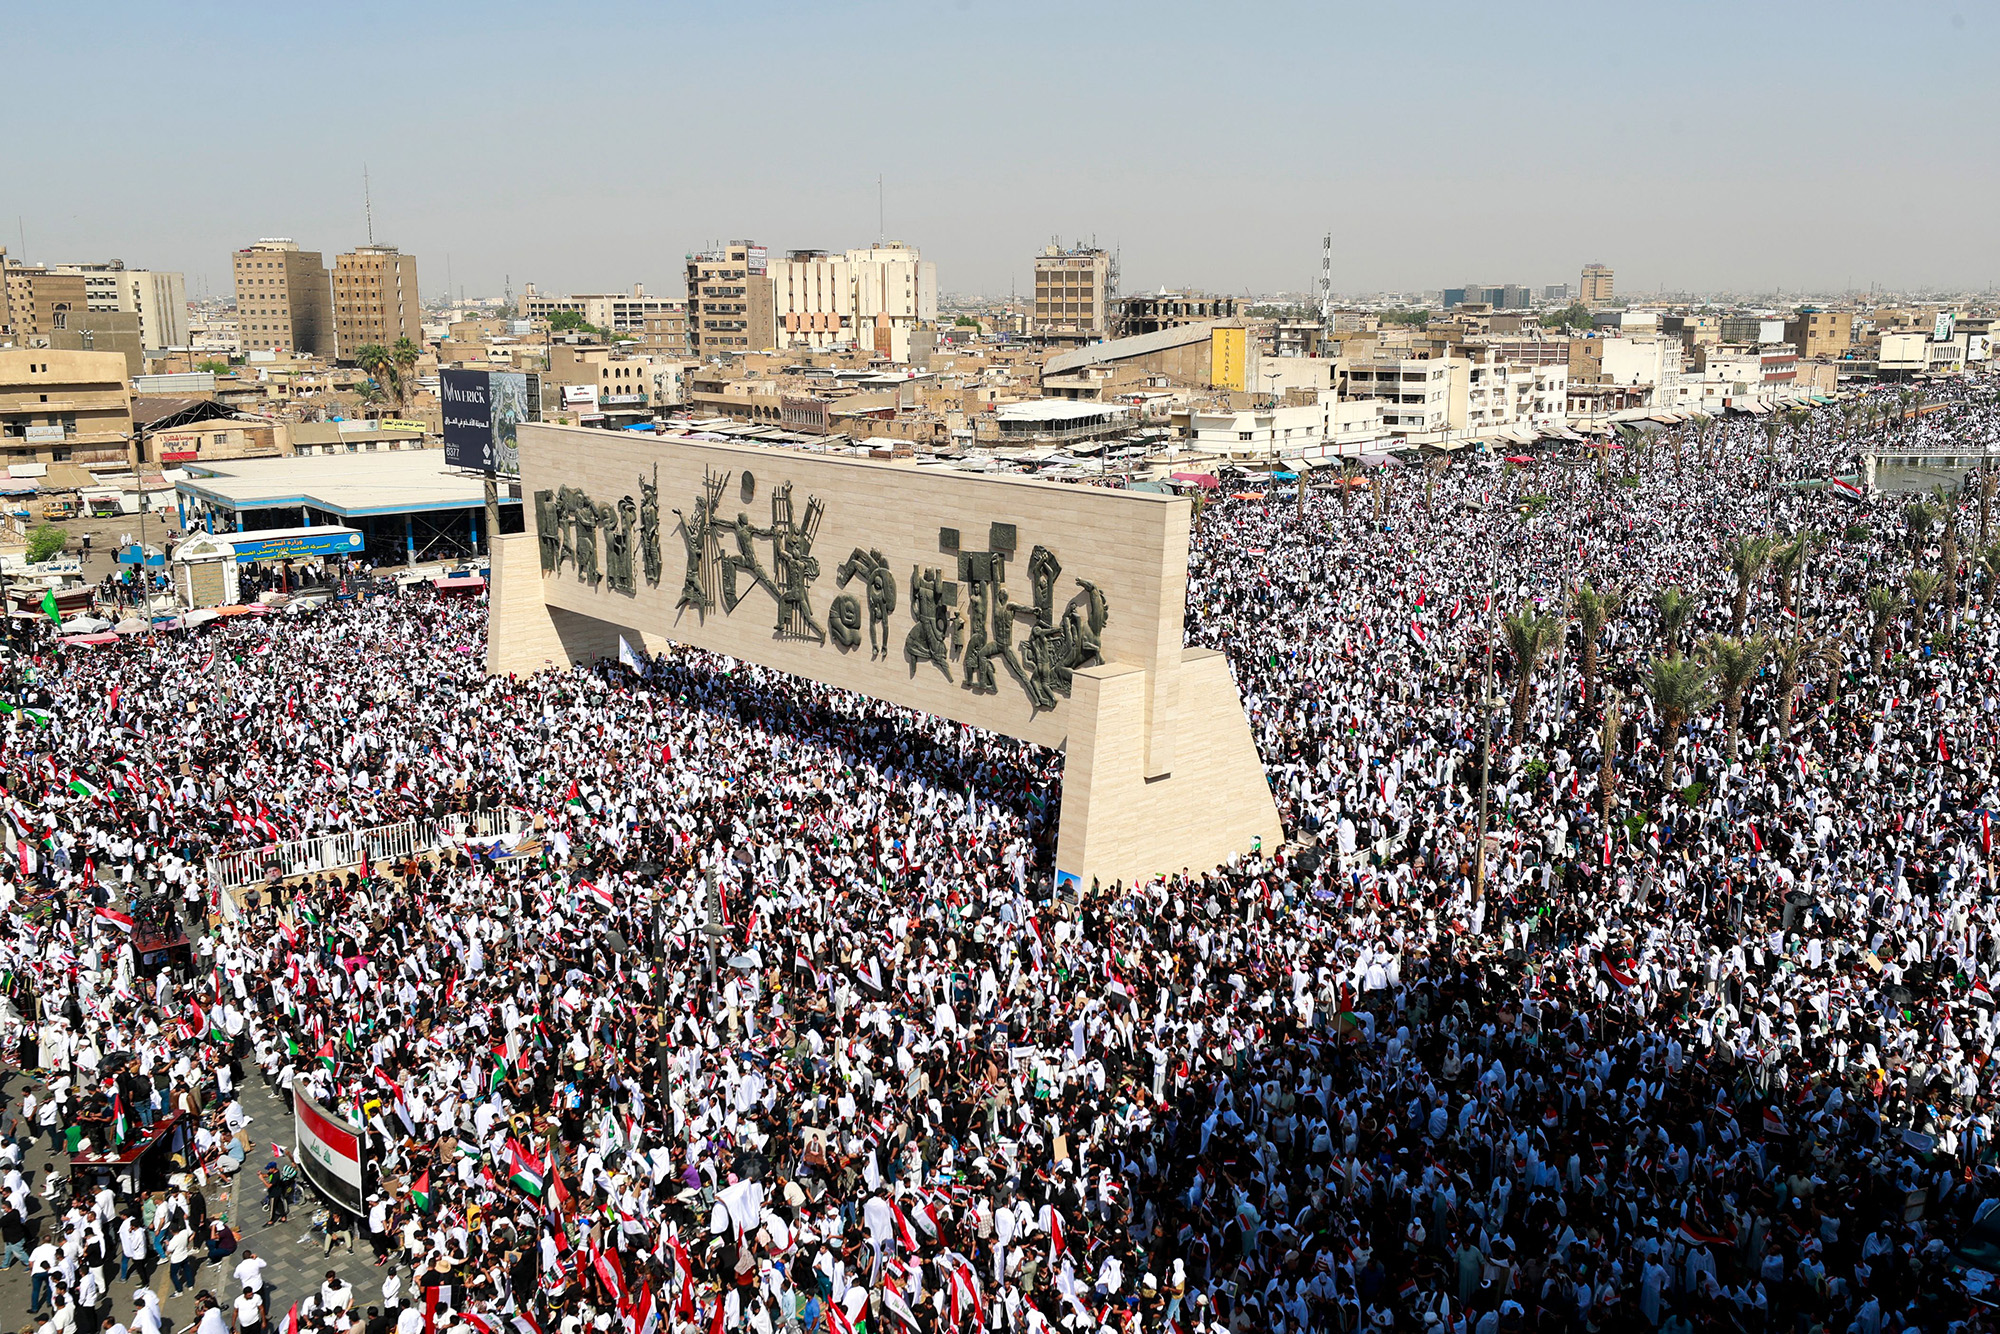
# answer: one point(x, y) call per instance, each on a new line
point(585, 146)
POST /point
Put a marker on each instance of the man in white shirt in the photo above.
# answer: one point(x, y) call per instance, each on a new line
point(336, 1293)
point(250, 1272)
point(249, 1313)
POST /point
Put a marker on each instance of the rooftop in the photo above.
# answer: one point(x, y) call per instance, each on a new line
point(349, 485)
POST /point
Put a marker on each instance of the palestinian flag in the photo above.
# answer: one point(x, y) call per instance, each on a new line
point(39, 717)
point(121, 1126)
point(420, 1192)
point(326, 1054)
point(83, 787)
point(523, 1171)
point(573, 797)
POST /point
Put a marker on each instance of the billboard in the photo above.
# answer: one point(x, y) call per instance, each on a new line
point(1941, 328)
point(1228, 355)
point(329, 1152)
point(482, 412)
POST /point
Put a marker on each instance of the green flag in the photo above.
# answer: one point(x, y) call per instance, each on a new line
point(49, 605)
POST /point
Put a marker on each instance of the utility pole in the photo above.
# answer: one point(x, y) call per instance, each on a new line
point(139, 483)
point(1485, 726)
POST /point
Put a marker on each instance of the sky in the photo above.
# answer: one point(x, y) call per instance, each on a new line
point(588, 146)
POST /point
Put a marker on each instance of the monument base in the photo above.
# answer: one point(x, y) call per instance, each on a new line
point(1120, 823)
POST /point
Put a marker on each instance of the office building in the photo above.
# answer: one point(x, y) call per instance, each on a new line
point(613, 312)
point(36, 300)
point(1419, 396)
point(158, 299)
point(284, 299)
point(872, 298)
point(1510, 296)
point(1597, 287)
point(1073, 290)
point(729, 300)
point(375, 300)
point(58, 406)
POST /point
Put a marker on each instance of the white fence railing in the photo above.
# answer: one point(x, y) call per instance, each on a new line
point(344, 848)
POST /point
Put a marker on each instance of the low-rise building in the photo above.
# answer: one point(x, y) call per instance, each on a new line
point(58, 406)
point(1419, 396)
point(1328, 428)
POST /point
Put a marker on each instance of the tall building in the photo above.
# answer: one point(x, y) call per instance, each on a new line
point(374, 299)
point(36, 301)
point(158, 299)
point(1073, 290)
point(871, 298)
point(284, 300)
point(1597, 288)
point(729, 300)
point(613, 312)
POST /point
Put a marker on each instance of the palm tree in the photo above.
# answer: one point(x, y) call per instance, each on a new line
point(1919, 516)
point(1747, 558)
point(1530, 634)
point(1788, 560)
point(1883, 604)
point(1798, 653)
point(1679, 689)
point(1924, 586)
point(1988, 565)
point(1592, 610)
point(404, 355)
point(1673, 607)
point(1947, 507)
point(1433, 469)
point(1989, 482)
point(1607, 774)
point(379, 363)
point(1734, 664)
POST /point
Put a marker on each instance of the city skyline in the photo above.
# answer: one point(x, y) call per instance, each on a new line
point(1210, 149)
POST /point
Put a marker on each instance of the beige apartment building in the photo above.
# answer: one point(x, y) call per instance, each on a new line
point(159, 299)
point(729, 300)
point(665, 333)
point(63, 407)
point(613, 312)
point(872, 298)
point(375, 300)
point(36, 300)
point(1821, 333)
point(1073, 290)
point(1598, 287)
point(284, 301)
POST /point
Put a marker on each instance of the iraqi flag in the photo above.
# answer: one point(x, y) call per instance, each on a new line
point(599, 894)
point(1944, 751)
point(1774, 1122)
point(1419, 633)
point(1624, 977)
point(1846, 490)
point(112, 918)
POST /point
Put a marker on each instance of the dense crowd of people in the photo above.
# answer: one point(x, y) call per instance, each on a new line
point(1673, 1004)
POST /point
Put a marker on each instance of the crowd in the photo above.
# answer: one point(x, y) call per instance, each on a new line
point(765, 1016)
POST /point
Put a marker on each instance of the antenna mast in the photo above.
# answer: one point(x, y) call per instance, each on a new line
point(368, 205)
point(1326, 283)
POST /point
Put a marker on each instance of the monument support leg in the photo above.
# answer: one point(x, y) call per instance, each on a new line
point(1119, 824)
point(523, 633)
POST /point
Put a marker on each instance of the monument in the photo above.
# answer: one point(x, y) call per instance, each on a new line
point(1040, 610)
